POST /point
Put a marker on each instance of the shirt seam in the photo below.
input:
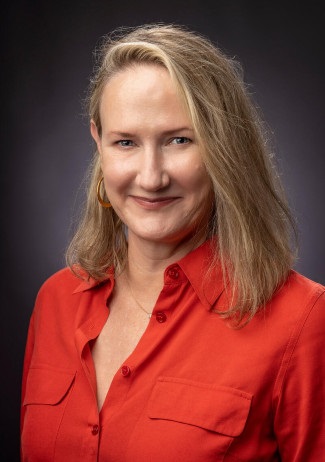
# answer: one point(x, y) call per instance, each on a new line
point(289, 352)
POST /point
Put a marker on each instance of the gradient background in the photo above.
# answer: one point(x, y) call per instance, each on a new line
point(46, 63)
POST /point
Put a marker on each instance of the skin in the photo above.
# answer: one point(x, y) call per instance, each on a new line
point(158, 185)
point(153, 171)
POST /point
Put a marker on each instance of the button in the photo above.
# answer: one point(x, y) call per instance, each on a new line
point(161, 316)
point(173, 272)
point(95, 430)
point(125, 371)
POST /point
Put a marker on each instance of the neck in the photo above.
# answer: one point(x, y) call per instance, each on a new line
point(147, 262)
point(147, 258)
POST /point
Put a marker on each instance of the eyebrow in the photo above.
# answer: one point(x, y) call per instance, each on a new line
point(167, 132)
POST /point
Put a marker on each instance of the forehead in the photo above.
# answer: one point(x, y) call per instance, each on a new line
point(135, 75)
point(144, 92)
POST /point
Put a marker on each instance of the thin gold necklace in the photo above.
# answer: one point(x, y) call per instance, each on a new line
point(136, 301)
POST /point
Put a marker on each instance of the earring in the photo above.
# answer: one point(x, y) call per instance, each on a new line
point(100, 200)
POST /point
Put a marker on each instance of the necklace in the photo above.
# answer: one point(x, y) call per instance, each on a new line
point(136, 301)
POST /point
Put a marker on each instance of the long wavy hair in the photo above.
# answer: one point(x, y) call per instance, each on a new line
point(250, 219)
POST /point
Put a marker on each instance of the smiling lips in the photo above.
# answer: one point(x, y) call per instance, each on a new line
point(154, 203)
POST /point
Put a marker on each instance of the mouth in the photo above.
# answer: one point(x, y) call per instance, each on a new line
point(153, 203)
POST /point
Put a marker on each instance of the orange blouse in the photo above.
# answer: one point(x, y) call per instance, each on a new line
point(192, 390)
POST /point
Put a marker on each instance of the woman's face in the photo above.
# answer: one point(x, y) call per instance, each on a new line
point(152, 165)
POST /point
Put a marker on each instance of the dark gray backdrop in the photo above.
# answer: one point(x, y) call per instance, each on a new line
point(47, 59)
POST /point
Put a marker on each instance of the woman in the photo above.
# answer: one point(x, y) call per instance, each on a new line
point(178, 331)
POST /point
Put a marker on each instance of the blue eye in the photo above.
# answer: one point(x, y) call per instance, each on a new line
point(181, 140)
point(125, 143)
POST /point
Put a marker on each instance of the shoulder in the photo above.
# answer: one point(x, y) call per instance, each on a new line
point(63, 280)
point(299, 291)
point(65, 299)
point(63, 287)
point(297, 310)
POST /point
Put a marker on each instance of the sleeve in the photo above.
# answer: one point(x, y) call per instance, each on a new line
point(299, 422)
point(27, 360)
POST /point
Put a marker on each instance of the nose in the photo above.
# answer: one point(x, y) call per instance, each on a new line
point(152, 174)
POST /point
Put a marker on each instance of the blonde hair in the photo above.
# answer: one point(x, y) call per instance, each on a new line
point(250, 217)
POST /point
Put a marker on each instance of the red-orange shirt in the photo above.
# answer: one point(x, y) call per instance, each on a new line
point(192, 390)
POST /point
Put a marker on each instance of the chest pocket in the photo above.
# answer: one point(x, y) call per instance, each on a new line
point(45, 400)
point(47, 386)
point(219, 409)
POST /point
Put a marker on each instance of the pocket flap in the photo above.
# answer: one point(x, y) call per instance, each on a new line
point(47, 386)
point(220, 409)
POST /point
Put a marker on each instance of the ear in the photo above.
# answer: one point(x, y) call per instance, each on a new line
point(95, 135)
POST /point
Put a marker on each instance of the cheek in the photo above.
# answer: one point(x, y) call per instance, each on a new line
point(202, 193)
point(116, 174)
point(198, 181)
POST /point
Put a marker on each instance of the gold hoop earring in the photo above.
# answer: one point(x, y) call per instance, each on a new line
point(104, 204)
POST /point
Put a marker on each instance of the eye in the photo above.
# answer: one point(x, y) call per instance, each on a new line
point(180, 140)
point(125, 143)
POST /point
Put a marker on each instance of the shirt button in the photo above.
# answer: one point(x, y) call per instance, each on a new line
point(161, 317)
point(95, 430)
point(173, 273)
point(125, 371)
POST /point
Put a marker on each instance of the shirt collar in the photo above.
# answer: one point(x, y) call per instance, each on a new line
point(206, 280)
point(91, 283)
